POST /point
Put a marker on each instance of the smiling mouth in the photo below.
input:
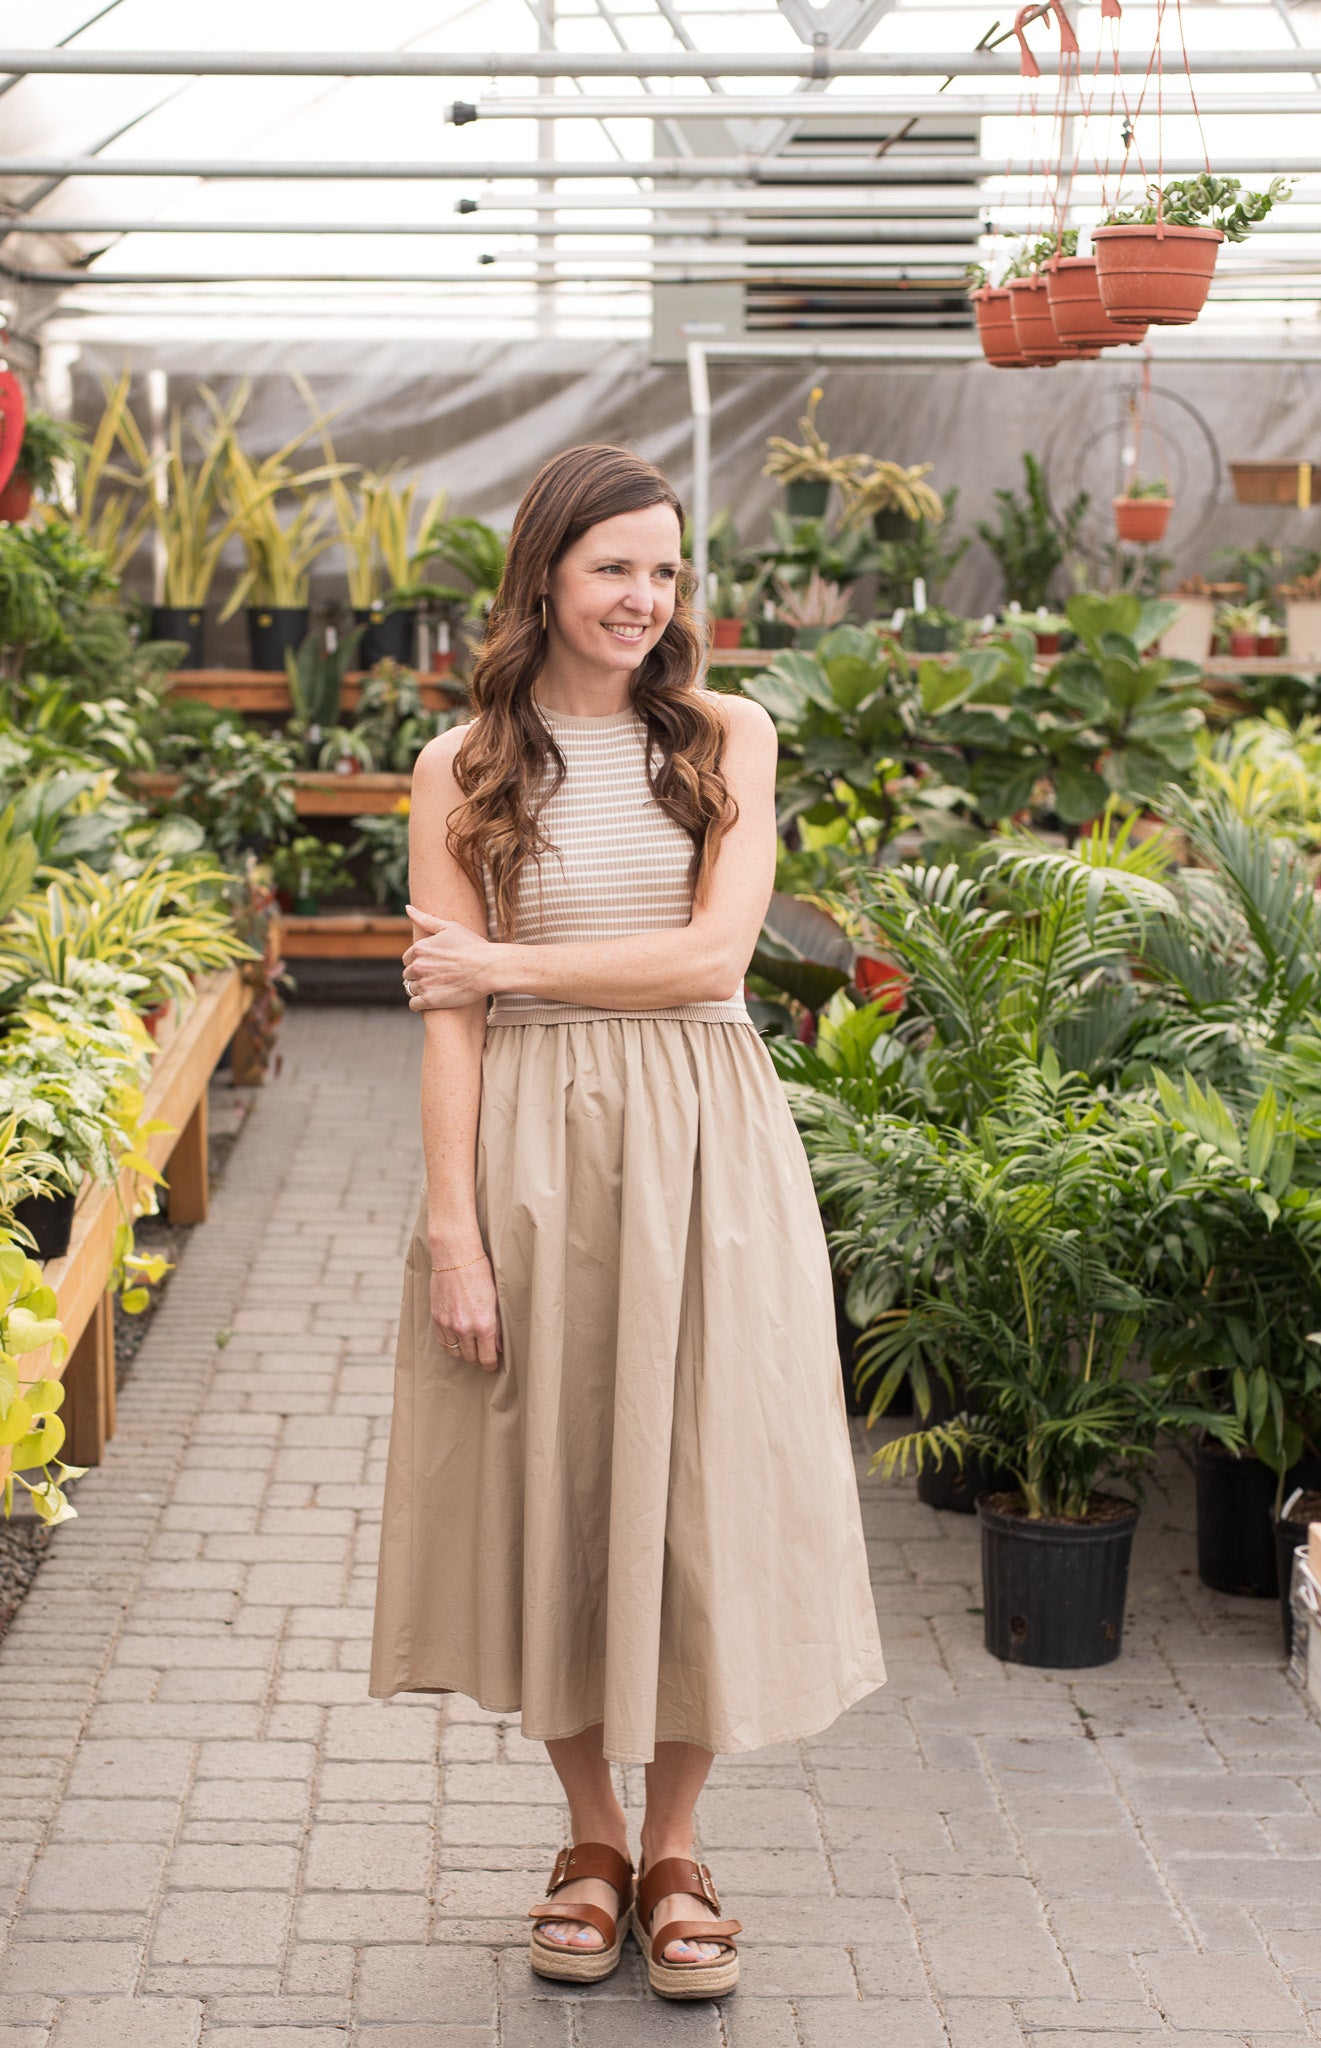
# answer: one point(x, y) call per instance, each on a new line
point(629, 633)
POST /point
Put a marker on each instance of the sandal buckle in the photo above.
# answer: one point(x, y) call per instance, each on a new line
point(704, 1878)
point(558, 1874)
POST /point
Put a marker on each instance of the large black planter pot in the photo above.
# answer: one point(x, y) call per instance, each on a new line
point(807, 498)
point(1054, 1592)
point(1236, 1518)
point(949, 1485)
point(186, 622)
point(388, 636)
point(274, 631)
point(50, 1219)
point(774, 633)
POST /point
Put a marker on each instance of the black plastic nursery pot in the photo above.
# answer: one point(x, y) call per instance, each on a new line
point(891, 524)
point(186, 622)
point(1054, 1592)
point(388, 636)
point(930, 636)
point(50, 1219)
point(774, 633)
point(948, 1485)
point(274, 631)
point(1236, 1549)
point(807, 498)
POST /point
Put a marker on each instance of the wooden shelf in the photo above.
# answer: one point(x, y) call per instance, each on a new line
point(346, 935)
point(317, 793)
point(176, 1092)
point(260, 690)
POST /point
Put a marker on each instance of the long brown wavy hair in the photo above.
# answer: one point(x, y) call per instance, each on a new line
point(509, 764)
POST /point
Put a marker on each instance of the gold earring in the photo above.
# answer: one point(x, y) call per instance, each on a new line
point(544, 627)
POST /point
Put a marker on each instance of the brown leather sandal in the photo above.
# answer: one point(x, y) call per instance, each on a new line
point(584, 1965)
point(705, 1977)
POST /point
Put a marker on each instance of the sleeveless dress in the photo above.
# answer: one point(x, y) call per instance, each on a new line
point(648, 1516)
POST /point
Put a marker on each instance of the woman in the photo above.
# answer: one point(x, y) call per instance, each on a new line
point(620, 1494)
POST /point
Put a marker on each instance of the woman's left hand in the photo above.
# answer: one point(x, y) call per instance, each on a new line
point(449, 966)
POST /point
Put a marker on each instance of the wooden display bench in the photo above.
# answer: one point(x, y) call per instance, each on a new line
point(176, 1092)
point(264, 691)
point(346, 935)
point(318, 793)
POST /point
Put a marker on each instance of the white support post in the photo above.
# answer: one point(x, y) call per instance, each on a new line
point(699, 392)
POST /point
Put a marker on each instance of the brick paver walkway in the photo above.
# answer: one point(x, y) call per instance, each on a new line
point(211, 1834)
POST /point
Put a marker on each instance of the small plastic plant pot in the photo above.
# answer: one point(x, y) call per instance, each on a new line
point(1155, 273)
point(1244, 646)
point(1029, 301)
point(16, 498)
point(1142, 521)
point(995, 327)
point(1075, 305)
point(726, 632)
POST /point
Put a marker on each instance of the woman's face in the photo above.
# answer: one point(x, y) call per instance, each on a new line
point(611, 595)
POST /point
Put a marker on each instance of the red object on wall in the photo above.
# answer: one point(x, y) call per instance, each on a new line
point(13, 418)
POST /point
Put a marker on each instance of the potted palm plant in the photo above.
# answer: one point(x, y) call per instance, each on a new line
point(1142, 511)
point(807, 469)
point(1154, 261)
point(1017, 1247)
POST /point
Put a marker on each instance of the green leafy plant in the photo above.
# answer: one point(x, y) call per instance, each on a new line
point(1028, 542)
point(239, 786)
point(30, 1425)
point(385, 838)
point(890, 487)
point(316, 687)
point(47, 443)
point(477, 551)
point(1146, 487)
point(1205, 201)
point(1017, 1250)
point(309, 868)
point(390, 718)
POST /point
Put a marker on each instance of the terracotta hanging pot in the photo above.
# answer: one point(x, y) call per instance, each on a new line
point(13, 418)
point(995, 327)
point(1030, 305)
point(1142, 521)
point(1076, 308)
point(16, 498)
point(1154, 272)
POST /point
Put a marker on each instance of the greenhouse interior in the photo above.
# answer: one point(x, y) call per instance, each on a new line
point(931, 399)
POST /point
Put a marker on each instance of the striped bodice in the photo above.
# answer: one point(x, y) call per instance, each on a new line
point(619, 866)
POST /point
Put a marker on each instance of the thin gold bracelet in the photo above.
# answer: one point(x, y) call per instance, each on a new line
point(459, 1268)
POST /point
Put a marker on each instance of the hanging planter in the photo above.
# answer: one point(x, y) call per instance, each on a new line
point(1076, 308)
point(1154, 273)
point(1030, 307)
point(1142, 521)
point(996, 332)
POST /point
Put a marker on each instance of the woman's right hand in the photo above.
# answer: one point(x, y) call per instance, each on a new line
point(466, 1314)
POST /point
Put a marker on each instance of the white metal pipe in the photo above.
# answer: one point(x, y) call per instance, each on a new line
point(817, 63)
point(857, 228)
point(786, 171)
point(699, 397)
point(942, 107)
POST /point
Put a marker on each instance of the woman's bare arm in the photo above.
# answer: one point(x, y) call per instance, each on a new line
point(462, 1299)
point(702, 961)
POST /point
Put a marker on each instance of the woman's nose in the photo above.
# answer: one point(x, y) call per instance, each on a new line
point(638, 595)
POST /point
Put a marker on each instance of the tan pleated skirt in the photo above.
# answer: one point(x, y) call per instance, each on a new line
point(648, 1517)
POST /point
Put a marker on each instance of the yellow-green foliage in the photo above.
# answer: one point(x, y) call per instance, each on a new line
point(29, 1421)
